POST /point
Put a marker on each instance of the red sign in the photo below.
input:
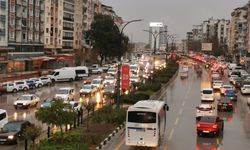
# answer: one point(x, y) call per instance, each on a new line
point(125, 77)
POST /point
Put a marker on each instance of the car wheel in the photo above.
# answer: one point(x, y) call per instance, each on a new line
point(15, 107)
point(49, 83)
point(25, 89)
point(14, 91)
point(39, 85)
point(70, 79)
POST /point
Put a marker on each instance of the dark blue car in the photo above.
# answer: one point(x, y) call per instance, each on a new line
point(31, 84)
point(231, 94)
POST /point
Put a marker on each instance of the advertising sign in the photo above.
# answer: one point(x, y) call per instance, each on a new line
point(125, 77)
point(206, 46)
point(156, 24)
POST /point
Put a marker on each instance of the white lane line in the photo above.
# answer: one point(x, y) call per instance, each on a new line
point(181, 111)
point(183, 104)
point(176, 121)
point(171, 134)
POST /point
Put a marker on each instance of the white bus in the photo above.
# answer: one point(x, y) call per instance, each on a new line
point(145, 123)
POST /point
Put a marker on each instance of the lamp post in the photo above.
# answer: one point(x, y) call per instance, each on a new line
point(120, 62)
point(155, 35)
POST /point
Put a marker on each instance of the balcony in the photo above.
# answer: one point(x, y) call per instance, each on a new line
point(70, 1)
point(67, 47)
point(68, 19)
point(2, 32)
point(3, 5)
point(68, 28)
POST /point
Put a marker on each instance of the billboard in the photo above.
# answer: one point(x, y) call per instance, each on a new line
point(155, 24)
point(125, 77)
point(206, 46)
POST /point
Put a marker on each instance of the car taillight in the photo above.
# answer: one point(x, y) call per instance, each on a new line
point(198, 125)
point(215, 126)
point(230, 104)
point(210, 111)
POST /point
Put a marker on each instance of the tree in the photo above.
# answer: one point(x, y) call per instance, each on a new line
point(106, 38)
point(58, 114)
point(32, 133)
point(89, 105)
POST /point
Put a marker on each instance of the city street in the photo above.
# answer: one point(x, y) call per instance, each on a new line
point(182, 97)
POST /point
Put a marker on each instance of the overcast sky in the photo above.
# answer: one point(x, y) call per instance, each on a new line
point(179, 15)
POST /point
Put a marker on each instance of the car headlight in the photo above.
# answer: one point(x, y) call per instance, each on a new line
point(42, 105)
point(24, 103)
point(10, 137)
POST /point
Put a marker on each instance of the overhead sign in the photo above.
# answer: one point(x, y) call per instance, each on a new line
point(125, 77)
point(156, 24)
point(206, 46)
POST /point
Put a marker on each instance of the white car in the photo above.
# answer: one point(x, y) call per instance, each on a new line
point(10, 87)
point(38, 82)
point(66, 94)
point(109, 80)
point(112, 71)
point(205, 110)
point(22, 85)
point(26, 101)
point(231, 79)
point(134, 79)
point(97, 71)
point(226, 87)
point(245, 89)
point(76, 106)
point(46, 81)
point(217, 84)
point(207, 94)
point(98, 82)
point(88, 89)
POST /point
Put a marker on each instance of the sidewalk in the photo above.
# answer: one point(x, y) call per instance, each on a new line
point(20, 75)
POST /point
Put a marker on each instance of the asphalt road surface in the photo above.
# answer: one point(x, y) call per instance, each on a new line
point(182, 97)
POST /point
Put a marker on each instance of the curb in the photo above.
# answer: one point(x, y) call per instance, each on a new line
point(106, 140)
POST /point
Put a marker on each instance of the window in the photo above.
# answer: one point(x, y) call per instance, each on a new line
point(2, 116)
point(24, 36)
point(141, 117)
point(47, 40)
point(47, 30)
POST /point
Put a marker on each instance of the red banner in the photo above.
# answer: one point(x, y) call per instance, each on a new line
point(125, 77)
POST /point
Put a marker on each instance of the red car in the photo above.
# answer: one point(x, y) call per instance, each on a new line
point(2, 90)
point(210, 125)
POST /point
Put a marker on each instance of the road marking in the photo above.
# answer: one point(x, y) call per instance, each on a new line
point(181, 111)
point(118, 147)
point(171, 134)
point(183, 104)
point(176, 121)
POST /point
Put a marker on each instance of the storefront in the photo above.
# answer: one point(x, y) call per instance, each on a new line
point(16, 65)
point(65, 60)
point(3, 60)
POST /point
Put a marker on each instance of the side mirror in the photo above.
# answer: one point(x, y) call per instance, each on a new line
point(166, 107)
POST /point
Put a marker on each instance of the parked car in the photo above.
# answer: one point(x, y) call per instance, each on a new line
point(38, 82)
point(46, 81)
point(225, 104)
point(22, 85)
point(210, 125)
point(2, 90)
point(245, 89)
point(3, 118)
point(10, 87)
point(207, 94)
point(66, 94)
point(231, 94)
point(31, 84)
point(12, 131)
point(26, 101)
point(205, 110)
point(88, 89)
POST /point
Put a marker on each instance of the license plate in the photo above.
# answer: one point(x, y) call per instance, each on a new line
point(3, 140)
point(206, 131)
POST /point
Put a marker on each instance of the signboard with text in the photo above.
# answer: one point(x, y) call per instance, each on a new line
point(206, 46)
point(125, 77)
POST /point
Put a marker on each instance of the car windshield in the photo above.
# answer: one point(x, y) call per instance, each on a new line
point(207, 92)
point(62, 91)
point(110, 88)
point(87, 87)
point(208, 119)
point(24, 98)
point(19, 82)
point(12, 127)
point(109, 78)
point(205, 108)
point(96, 81)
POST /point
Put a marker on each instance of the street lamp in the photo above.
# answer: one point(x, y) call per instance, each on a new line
point(120, 62)
point(155, 35)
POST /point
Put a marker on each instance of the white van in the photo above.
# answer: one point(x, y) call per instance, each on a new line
point(207, 94)
point(3, 118)
point(81, 72)
point(64, 74)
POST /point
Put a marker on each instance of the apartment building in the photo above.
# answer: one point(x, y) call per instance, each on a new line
point(223, 31)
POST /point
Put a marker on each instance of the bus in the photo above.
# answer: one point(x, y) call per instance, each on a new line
point(145, 123)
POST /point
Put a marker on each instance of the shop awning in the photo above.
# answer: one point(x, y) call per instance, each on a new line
point(43, 58)
point(65, 58)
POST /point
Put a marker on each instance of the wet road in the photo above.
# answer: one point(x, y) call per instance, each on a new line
point(182, 97)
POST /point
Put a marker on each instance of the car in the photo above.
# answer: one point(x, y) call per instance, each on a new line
point(10, 87)
point(236, 79)
point(207, 94)
point(245, 89)
point(204, 110)
point(109, 89)
point(210, 125)
point(38, 82)
point(226, 87)
point(112, 71)
point(134, 79)
point(97, 82)
point(217, 84)
point(22, 85)
point(76, 106)
point(231, 94)
point(215, 74)
point(225, 104)
point(88, 89)
point(3, 118)
point(31, 84)
point(232, 78)
point(26, 101)
point(216, 79)
point(2, 90)
point(239, 84)
point(109, 80)
point(46, 81)
point(66, 94)
point(47, 102)
point(86, 81)
point(12, 130)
